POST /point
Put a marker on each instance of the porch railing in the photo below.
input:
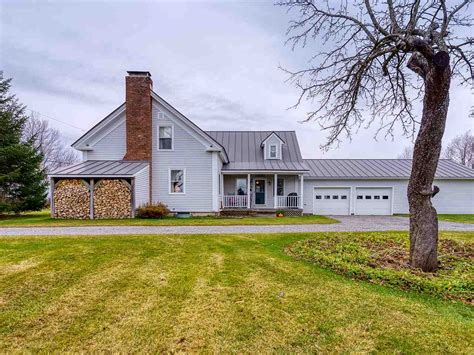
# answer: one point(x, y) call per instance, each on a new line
point(288, 201)
point(234, 201)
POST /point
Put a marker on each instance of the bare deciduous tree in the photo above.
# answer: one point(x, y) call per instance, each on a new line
point(407, 153)
point(384, 55)
point(461, 150)
point(49, 142)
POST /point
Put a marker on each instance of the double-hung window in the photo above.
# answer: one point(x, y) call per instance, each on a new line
point(165, 137)
point(273, 151)
point(177, 181)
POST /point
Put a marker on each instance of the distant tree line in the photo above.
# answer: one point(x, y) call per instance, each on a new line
point(49, 142)
point(460, 149)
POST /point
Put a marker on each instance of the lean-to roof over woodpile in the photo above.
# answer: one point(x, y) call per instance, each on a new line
point(101, 168)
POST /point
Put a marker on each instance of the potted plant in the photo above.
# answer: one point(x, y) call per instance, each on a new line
point(280, 213)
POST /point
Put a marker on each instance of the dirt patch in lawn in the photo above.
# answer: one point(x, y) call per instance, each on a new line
point(384, 259)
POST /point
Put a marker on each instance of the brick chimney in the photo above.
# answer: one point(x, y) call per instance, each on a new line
point(138, 85)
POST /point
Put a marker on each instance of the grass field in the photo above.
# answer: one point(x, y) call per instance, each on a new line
point(458, 218)
point(43, 218)
point(218, 293)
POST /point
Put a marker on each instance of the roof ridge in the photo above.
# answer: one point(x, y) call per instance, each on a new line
point(258, 131)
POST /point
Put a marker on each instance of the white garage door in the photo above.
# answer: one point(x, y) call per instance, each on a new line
point(373, 201)
point(331, 201)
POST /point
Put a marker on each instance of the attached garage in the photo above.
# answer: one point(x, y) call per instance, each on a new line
point(331, 201)
point(373, 201)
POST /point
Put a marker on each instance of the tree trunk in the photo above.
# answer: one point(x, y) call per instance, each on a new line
point(423, 217)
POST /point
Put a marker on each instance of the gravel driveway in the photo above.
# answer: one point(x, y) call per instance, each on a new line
point(348, 224)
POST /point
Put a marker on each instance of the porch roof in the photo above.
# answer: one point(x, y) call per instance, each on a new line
point(271, 166)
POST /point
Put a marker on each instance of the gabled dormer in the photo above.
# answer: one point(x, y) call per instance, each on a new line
point(272, 147)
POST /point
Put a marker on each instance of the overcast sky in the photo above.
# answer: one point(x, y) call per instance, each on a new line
point(216, 62)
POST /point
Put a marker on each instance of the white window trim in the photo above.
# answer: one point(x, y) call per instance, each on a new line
point(169, 182)
point(158, 138)
point(270, 151)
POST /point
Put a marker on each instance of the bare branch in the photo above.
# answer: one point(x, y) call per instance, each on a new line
point(369, 56)
point(374, 19)
point(393, 17)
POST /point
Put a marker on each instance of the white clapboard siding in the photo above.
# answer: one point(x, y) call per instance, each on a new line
point(142, 187)
point(456, 196)
point(112, 145)
point(189, 154)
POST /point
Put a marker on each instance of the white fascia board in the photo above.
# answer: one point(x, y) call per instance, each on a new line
point(81, 143)
point(383, 178)
point(191, 126)
point(89, 176)
point(263, 172)
point(271, 135)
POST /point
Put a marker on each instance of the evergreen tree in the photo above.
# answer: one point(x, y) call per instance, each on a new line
point(22, 180)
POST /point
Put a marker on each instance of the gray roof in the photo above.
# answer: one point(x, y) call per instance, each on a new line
point(379, 169)
point(101, 168)
point(244, 151)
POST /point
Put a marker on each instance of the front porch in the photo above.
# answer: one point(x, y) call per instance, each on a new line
point(261, 192)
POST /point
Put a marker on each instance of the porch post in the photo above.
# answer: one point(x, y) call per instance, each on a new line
point(248, 191)
point(91, 198)
point(51, 192)
point(275, 182)
point(221, 180)
point(301, 191)
point(132, 200)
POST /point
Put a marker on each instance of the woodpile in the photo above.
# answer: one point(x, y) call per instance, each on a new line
point(112, 199)
point(71, 199)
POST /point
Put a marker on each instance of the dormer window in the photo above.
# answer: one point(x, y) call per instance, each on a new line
point(272, 146)
point(273, 151)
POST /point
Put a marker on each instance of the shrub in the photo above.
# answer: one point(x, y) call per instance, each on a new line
point(153, 210)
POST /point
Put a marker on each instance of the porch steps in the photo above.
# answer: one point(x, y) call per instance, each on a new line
point(259, 212)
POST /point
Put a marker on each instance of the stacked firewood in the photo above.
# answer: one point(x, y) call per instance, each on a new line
point(112, 199)
point(71, 199)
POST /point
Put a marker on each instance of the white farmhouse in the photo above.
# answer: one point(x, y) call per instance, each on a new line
point(162, 156)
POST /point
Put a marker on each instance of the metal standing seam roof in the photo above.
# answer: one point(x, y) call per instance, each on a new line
point(99, 168)
point(379, 169)
point(245, 153)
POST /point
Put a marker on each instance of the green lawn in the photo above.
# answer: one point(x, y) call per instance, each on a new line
point(459, 218)
point(43, 218)
point(208, 293)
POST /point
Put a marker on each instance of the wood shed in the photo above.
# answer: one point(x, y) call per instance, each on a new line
point(99, 189)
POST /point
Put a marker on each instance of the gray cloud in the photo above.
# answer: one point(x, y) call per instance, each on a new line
point(217, 62)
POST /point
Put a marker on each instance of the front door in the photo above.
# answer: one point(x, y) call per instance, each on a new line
point(259, 191)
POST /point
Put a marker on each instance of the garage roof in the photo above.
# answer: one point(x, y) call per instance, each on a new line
point(101, 168)
point(379, 169)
